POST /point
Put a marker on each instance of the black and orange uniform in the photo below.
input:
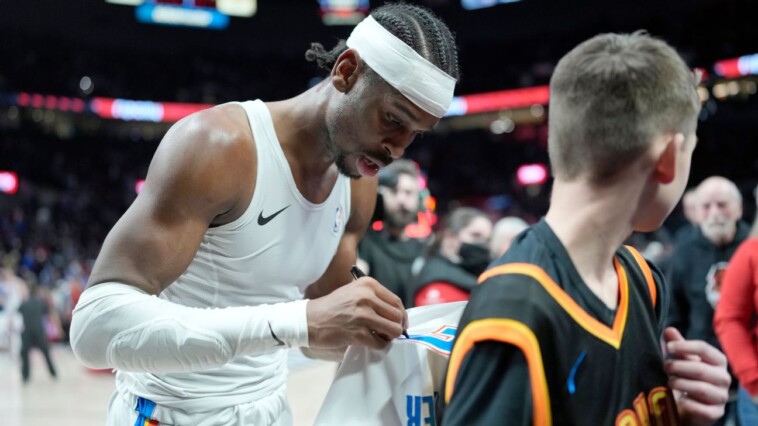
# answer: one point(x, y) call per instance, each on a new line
point(535, 346)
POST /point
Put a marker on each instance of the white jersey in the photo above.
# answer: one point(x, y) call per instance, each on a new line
point(399, 386)
point(281, 244)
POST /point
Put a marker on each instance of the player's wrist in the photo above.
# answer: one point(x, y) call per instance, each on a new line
point(289, 323)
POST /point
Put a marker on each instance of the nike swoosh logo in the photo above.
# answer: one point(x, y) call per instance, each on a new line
point(264, 220)
point(278, 340)
point(571, 384)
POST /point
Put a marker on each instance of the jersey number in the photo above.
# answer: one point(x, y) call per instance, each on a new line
point(659, 406)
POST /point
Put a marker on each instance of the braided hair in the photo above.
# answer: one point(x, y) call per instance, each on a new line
point(416, 26)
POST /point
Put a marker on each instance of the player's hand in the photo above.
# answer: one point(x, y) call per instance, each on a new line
point(698, 376)
point(360, 313)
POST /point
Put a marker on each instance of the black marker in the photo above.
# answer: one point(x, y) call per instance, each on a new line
point(356, 272)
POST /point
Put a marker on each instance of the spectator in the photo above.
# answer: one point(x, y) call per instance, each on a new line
point(504, 232)
point(388, 254)
point(689, 229)
point(455, 259)
point(697, 268)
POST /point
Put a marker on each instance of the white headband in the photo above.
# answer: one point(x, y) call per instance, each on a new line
point(430, 88)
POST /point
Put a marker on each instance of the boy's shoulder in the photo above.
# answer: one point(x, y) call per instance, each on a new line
point(533, 245)
point(508, 296)
point(536, 274)
point(513, 286)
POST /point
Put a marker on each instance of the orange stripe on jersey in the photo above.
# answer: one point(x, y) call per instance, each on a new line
point(645, 271)
point(514, 333)
point(612, 336)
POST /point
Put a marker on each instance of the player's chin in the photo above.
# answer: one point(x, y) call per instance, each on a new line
point(345, 170)
point(351, 174)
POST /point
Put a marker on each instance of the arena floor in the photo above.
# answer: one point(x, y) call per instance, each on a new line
point(79, 397)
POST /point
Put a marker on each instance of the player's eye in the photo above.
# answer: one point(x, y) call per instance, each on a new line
point(393, 120)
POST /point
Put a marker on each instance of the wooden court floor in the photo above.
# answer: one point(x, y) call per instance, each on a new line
point(79, 397)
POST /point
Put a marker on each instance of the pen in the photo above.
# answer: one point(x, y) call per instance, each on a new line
point(356, 272)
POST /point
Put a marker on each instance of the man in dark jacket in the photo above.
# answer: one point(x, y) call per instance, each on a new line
point(388, 253)
point(697, 266)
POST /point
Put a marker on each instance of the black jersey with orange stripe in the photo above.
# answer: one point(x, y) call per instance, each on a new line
point(536, 346)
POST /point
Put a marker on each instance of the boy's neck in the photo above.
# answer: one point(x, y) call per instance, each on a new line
point(592, 222)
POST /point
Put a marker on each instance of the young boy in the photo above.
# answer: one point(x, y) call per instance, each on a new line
point(565, 328)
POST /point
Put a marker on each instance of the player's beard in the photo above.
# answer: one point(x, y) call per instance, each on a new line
point(341, 162)
point(340, 128)
point(339, 156)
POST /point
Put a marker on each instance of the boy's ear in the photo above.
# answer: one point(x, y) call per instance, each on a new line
point(345, 71)
point(665, 166)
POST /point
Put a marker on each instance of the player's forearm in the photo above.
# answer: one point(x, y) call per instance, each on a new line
point(118, 326)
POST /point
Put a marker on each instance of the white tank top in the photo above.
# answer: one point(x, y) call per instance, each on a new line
point(281, 244)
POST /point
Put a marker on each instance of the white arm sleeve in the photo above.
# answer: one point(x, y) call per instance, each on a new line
point(120, 326)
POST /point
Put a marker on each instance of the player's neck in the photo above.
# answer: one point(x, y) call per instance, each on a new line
point(592, 222)
point(299, 124)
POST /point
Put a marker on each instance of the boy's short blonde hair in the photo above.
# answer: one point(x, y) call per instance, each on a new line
point(610, 96)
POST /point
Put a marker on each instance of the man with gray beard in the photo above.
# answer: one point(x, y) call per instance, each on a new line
point(697, 266)
point(387, 253)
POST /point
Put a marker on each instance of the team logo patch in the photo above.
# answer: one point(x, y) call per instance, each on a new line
point(440, 340)
point(338, 221)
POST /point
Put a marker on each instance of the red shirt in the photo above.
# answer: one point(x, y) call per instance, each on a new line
point(735, 318)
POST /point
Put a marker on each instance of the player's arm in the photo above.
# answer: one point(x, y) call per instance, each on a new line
point(337, 274)
point(366, 309)
point(362, 202)
point(492, 384)
point(196, 179)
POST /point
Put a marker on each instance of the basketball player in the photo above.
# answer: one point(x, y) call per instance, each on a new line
point(565, 327)
point(247, 209)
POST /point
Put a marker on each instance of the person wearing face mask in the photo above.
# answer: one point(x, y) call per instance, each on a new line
point(455, 259)
point(697, 268)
